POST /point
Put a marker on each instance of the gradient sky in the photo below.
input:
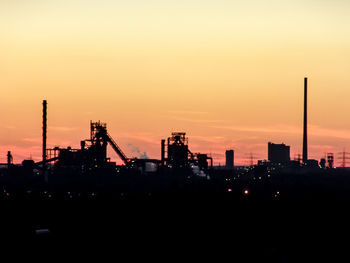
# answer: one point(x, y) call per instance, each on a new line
point(229, 73)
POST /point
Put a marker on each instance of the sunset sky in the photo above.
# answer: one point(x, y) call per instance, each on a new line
point(229, 73)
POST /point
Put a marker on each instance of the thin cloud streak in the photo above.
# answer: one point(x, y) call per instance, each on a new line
point(272, 129)
point(32, 140)
point(313, 130)
point(62, 128)
point(147, 138)
point(196, 120)
point(208, 139)
point(9, 127)
point(187, 112)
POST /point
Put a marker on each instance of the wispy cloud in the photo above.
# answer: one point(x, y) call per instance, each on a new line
point(33, 140)
point(313, 130)
point(325, 132)
point(196, 120)
point(213, 139)
point(9, 127)
point(145, 137)
point(271, 129)
point(62, 128)
point(187, 112)
point(321, 147)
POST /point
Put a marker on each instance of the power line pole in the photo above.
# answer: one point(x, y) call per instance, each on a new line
point(344, 157)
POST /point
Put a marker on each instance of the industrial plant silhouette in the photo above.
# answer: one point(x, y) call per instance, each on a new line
point(185, 183)
point(88, 172)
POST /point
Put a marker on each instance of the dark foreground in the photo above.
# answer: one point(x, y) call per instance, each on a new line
point(179, 227)
point(297, 217)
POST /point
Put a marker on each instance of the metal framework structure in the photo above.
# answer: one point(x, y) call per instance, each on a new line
point(99, 134)
point(330, 160)
point(344, 158)
point(179, 155)
point(93, 151)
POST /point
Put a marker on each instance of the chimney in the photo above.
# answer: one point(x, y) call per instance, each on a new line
point(305, 158)
point(9, 159)
point(44, 130)
point(163, 152)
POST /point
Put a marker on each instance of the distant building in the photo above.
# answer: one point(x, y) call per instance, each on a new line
point(311, 163)
point(278, 153)
point(323, 163)
point(229, 159)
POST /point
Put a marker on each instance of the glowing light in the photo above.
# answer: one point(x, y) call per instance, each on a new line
point(229, 190)
point(246, 192)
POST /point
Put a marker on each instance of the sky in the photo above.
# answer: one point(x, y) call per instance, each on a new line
point(228, 73)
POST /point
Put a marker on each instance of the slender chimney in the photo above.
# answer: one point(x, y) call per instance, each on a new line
point(9, 159)
point(163, 152)
point(305, 158)
point(44, 130)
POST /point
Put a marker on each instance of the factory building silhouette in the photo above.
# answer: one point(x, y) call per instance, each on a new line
point(229, 154)
point(278, 153)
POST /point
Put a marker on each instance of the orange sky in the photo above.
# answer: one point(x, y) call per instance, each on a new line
point(229, 73)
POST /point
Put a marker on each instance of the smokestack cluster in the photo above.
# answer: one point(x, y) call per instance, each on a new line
point(305, 157)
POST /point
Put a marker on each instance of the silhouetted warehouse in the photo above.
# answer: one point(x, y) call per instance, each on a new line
point(278, 153)
point(229, 159)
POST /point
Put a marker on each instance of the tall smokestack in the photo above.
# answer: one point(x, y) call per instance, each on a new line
point(9, 159)
point(163, 152)
point(305, 158)
point(44, 130)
